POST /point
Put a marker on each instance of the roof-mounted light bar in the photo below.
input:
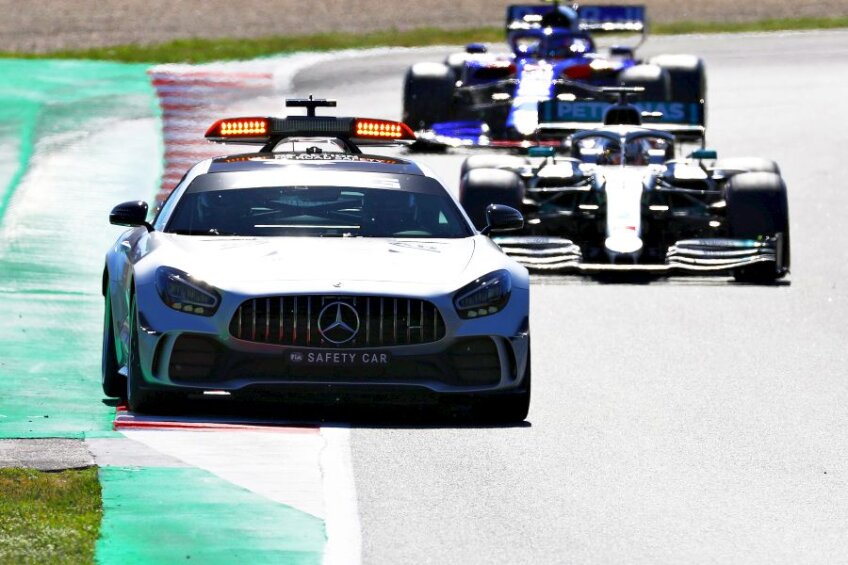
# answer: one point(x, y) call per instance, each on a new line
point(270, 131)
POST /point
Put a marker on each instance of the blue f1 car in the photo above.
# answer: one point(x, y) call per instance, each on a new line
point(552, 53)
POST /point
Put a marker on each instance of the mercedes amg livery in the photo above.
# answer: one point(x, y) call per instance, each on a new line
point(625, 196)
point(309, 266)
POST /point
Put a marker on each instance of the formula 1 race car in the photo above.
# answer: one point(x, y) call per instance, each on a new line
point(552, 49)
point(622, 198)
point(310, 267)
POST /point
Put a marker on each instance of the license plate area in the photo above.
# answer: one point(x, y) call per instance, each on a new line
point(339, 358)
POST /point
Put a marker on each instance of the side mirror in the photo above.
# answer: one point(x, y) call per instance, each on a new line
point(502, 218)
point(621, 51)
point(704, 154)
point(541, 151)
point(476, 48)
point(133, 214)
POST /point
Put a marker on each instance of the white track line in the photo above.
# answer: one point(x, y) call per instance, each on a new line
point(344, 542)
point(311, 472)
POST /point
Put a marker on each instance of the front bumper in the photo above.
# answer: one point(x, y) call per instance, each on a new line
point(185, 352)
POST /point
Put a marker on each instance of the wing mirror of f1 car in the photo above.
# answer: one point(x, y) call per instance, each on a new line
point(502, 218)
point(133, 214)
point(704, 154)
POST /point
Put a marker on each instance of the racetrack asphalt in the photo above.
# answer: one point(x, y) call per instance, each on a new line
point(687, 420)
point(43, 26)
point(683, 420)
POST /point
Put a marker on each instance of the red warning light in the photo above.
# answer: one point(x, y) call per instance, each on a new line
point(239, 128)
point(382, 129)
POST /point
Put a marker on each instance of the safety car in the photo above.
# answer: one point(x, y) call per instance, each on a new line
point(309, 266)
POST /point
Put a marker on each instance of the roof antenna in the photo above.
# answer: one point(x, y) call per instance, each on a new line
point(310, 104)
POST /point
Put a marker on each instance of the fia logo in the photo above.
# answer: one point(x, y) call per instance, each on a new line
point(296, 357)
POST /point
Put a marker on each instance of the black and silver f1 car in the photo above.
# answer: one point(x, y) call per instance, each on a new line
point(621, 199)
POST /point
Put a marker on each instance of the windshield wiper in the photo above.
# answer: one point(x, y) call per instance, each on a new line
point(346, 234)
point(212, 231)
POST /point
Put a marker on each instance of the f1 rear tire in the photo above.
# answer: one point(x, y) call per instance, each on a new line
point(655, 80)
point(688, 76)
point(748, 165)
point(491, 162)
point(428, 91)
point(456, 63)
point(481, 187)
point(757, 207)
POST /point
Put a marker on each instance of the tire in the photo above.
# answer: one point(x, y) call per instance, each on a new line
point(114, 384)
point(655, 80)
point(687, 74)
point(456, 63)
point(748, 165)
point(508, 408)
point(140, 400)
point(757, 207)
point(481, 187)
point(491, 162)
point(428, 91)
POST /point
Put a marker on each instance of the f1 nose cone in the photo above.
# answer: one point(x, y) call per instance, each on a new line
point(623, 243)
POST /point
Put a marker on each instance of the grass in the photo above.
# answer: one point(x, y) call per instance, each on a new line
point(205, 50)
point(201, 50)
point(48, 517)
point(674, 28)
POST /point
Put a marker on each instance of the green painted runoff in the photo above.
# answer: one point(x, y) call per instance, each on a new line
point(74, 136)
point(187, 515)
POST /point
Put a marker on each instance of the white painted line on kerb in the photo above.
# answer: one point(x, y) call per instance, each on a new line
point(310, 472)
point(344, 541)
point(278, 466)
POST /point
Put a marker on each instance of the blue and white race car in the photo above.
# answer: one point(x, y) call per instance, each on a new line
point(552, 53)
point(311, 267)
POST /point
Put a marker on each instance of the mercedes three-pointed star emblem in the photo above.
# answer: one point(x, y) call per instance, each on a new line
point(338, 322)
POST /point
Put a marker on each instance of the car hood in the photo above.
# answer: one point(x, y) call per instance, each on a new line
point(236, 262)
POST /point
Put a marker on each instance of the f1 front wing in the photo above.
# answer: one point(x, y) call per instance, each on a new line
point(704, 256)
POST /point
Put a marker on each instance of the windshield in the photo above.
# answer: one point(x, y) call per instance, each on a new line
point(525, 45)
point(323, 211)
point(565, 47)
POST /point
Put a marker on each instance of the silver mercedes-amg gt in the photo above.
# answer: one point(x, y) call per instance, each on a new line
point(309, 266)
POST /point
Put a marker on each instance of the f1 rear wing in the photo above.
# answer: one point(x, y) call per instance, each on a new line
point(600, 18)
point(535, 16)
point(612, 19)
point(685, 120)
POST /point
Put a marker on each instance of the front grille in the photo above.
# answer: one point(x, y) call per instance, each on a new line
point(298, 320)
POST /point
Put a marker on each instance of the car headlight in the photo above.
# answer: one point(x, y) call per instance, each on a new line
point(182, 292)
point(485, 296)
